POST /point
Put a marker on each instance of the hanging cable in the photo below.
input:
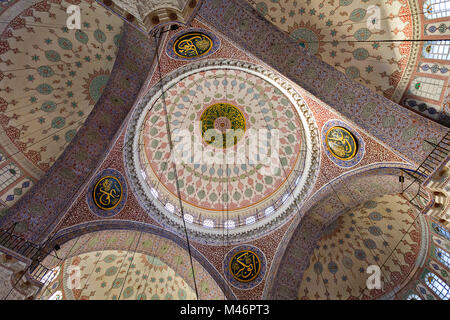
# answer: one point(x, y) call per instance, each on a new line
point(173, 162)
point(131, 262)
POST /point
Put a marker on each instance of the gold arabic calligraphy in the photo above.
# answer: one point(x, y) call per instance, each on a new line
point(192, 45)
point(245, 266)
point(341, 143)
point(107, 193)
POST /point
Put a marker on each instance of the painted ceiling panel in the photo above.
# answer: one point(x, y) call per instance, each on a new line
point(118, 275)
point(345, 35)
point(373, 233)
point(50, 79)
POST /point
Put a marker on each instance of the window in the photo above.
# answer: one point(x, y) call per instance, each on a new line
point(427, 88)
point(440, 230)
point(208, 223)
point(269, 210)
point(188, 218)
point(170, 207)
point(443, 256)
point(56, 296)
point(9, 174)
point(435, 9)
point(437, 49)
point(230, 224)
point(250, 220)
point(440, 288)
point(413, 296)
point(50, 275)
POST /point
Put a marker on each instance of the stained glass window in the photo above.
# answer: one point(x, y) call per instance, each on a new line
point(56, 296)
point(442, 231)
point(435, 9)
point(413, 296)
point(443, 256)
point(50, 275)
point(9, 174)
point(440, 288)
point(427, 88)
point(437, 49)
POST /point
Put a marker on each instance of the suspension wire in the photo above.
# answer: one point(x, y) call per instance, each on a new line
point(331, 185)
point(48, 128)
point(141, 145)
point(62, 261)
point(403, 236)
point(108, 292)
point(42, 139)
point(381, 19)
point(149, 269)
point(52, 26)
point(131, 262)
point(361, 236)
point(66, 100)
point(375, 41)
point(174, 164)
point(62, 62)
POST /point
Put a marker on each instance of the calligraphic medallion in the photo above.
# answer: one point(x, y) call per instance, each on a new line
point(192, 45)
point(107, 193)
point(219, 118)
point(245, 266)
point(341, 143)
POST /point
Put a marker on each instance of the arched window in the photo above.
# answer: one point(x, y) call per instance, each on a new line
point(443, 256)
point(9, 174)
point(427, 88)
point(440, 288)
point(413, 296)
point(435, 9)
point(50, 275)
point(437, 49)
point(56, 296)
point(440, 230)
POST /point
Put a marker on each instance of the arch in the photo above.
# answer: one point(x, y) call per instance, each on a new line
point(437, 285)
point(443, 256)
point(413, 296)
point(328, 203)
point(66, 238)
point(435, 9)
point(440, 230)
point(429, 88)
point(437, 49)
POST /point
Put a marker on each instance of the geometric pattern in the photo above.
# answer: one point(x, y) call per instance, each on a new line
point(241, 194)
point(118, 275)
point(367, 235)
point(400, 129)
point(50, 79)
point(44, 204)
point(336, 32)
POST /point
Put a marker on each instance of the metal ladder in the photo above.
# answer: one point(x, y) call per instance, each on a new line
point(25, 248)
point(427, 167)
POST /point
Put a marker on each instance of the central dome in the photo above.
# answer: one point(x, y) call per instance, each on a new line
point(240, 149)
point(223, 117)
